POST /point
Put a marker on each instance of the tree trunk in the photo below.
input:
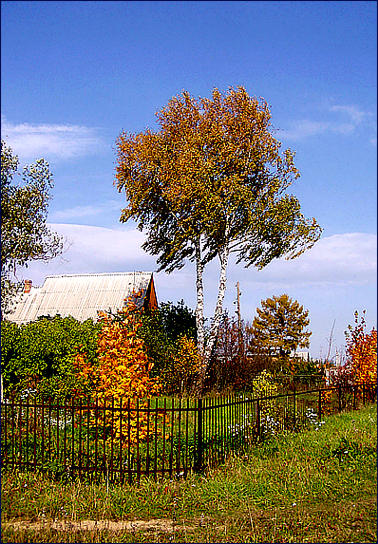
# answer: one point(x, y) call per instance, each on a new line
point(223, 257)
point(199, 307)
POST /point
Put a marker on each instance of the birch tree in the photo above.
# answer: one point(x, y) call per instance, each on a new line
point(210, 182)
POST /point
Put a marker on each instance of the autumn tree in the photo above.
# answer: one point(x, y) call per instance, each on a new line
point(279, 327)
point(209, 183)
point(25, 235)
point(361, 351)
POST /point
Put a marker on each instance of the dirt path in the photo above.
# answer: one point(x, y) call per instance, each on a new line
point(99, 525)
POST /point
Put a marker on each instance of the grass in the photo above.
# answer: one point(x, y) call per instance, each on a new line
point(315, 486)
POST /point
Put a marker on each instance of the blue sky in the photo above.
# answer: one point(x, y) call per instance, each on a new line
point(75, 74)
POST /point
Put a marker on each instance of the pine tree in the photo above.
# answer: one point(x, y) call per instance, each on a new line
point(279, 327)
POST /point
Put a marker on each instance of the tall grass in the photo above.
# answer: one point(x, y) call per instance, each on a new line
point(315, 486)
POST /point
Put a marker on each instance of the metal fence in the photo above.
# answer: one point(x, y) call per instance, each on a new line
point(125, 439)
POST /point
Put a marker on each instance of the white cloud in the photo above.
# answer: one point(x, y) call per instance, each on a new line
point(95, 249)
point(304, 128)
point(355, 114)
point(30, 141)
point(351, 118)
point(341, 259)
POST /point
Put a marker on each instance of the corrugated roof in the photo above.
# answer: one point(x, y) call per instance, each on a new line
point(79, 295)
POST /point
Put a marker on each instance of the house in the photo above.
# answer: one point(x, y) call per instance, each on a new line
point(82, 296)
point(303, 355)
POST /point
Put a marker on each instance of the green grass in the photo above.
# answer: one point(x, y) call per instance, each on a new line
point(315, 486)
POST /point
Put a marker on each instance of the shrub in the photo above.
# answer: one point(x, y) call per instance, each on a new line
point(264, 386)
point(121, 375)
point(362, 352)
point(179, 375)
point(40, 354)
point(169, 334)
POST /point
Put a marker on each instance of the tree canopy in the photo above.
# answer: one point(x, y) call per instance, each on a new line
point(209, 183)
point(25, 235)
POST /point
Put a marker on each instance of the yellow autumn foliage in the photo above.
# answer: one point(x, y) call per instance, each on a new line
point(186, 362)
point(121, 380)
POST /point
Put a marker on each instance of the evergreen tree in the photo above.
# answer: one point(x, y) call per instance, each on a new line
point(279, 327)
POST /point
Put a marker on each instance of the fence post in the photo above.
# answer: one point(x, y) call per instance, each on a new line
point(258, 418)
point(295, 406)
point(199, 452)
point(320, 405)
point(363, 394)
point(354, 397)
point(339, 393)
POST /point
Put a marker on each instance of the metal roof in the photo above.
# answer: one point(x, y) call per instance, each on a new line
point(79, 295)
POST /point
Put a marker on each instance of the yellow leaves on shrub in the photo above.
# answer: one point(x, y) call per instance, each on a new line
point(264, 386)
point(326, 398)
point(186, 362)
point(362, 352)
point(121, 378)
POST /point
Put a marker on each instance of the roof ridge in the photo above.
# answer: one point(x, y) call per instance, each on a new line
point(139, 272)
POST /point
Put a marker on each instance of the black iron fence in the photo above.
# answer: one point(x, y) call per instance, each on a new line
point(124, 439)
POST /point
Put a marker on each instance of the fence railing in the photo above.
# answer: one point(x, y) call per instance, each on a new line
point(124, 439)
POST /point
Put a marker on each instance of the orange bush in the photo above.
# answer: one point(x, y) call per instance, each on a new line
point(361, 352)
point(121, 375)
point(326, 397)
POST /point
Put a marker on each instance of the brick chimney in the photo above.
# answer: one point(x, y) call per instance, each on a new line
point(28, 286)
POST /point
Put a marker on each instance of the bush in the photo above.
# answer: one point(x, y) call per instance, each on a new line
point(361, 352)
point(122, 375)
point(39, 355)
point(163, 331)
point(180, 374)
point(264, 386)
